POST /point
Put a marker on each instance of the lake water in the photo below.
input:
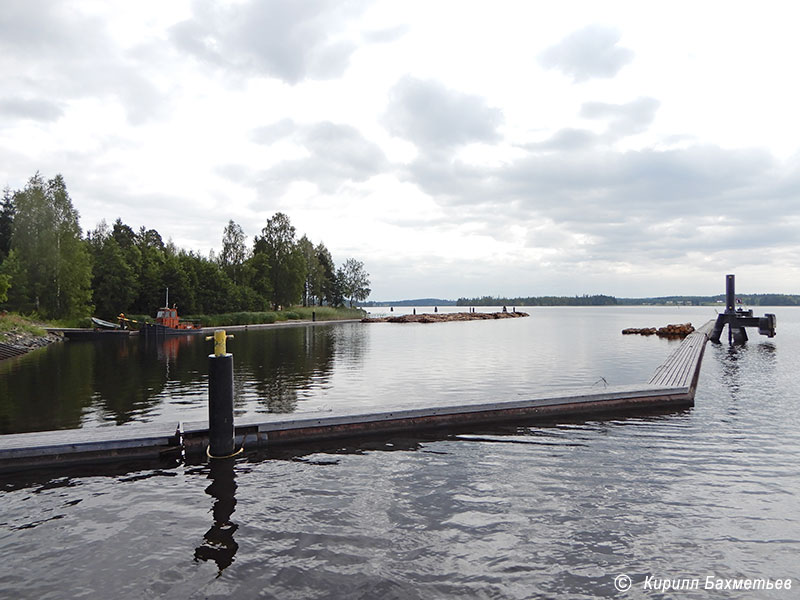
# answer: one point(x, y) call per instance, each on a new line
point(517, 511)
point(319, 368)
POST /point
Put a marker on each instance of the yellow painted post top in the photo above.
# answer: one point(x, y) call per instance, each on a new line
point(219, 338)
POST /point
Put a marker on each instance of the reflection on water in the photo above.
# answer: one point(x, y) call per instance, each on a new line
point(47, 388)
point(118, 381)
point(518, 511)
point(321, 367)
point(218, 543)
point(760, 360)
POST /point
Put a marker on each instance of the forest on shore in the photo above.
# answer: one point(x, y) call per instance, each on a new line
point(601, 300)
point(597, 300)
point(50, 269)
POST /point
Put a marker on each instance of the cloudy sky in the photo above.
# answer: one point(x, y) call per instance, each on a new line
point(457, 148)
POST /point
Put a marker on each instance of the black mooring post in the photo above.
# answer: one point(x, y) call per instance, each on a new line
point(220, 405)
point(221, 434)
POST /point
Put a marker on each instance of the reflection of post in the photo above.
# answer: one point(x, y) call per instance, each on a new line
point(218, 543)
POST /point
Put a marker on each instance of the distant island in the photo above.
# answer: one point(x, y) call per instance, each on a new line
point(415, 302)
point(597, 300)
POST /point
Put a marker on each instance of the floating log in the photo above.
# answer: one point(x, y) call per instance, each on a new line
point(639, 331)
point(443, 317)
point(672, 330)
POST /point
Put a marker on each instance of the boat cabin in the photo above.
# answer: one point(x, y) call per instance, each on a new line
point(168, 317)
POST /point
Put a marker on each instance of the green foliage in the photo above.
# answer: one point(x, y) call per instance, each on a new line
point(354, 280)
point(237, 318)
point(17, 293)
point(234, 252)
point(329, 313)
point(15, 323)
point(323, 313)
point(330, 290)
point(7, 212)
point(113, 279)
point(53, 270)
point(312, 285)
point(5, 283)
point(285, 259)
point(46, 266)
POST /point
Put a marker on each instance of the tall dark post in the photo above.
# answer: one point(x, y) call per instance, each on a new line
point(221, 435)
point(730, 293)
point(735, 334)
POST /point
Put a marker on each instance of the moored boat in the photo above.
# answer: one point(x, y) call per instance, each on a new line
point(169, 323)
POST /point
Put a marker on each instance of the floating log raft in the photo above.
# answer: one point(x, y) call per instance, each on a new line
point(443, 317)
point(670, 331)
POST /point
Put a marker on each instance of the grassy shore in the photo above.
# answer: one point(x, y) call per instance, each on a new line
point(15, 327)
point(23, 332)
point(295, 313)
point(12, 324)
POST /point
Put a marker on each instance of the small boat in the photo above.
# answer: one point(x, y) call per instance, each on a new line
point(169, 323)
point(100, 330)
point(101, 324)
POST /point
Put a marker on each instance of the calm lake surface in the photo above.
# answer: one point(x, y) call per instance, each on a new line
point(518, 511)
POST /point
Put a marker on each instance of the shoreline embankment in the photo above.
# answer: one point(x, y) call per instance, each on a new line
point(19, 335)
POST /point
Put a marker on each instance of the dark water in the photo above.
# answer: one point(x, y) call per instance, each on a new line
point(523, 511)
point(91, 384)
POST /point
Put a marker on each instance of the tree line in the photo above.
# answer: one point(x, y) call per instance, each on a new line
point(745, 299)
point(601, 300)
point(48, 267)
point(585, 300)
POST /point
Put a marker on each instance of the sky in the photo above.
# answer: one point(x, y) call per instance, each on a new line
point(457, 148)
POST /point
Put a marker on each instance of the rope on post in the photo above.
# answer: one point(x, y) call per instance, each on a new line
point(209, 455)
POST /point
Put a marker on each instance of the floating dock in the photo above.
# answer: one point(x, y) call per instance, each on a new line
point(673, 385)
point(71, 446)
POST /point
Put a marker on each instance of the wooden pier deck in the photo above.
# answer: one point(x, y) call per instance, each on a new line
point(70, 446)
point(679, 368)
point(672, 385)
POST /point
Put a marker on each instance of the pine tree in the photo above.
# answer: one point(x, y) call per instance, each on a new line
point(7, 211)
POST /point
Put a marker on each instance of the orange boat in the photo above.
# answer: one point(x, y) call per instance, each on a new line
point(169, 323)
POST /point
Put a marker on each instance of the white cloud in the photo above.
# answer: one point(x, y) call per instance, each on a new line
point(457, 148)
point(288, 39)
point(588, 53)
point(433, 116)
